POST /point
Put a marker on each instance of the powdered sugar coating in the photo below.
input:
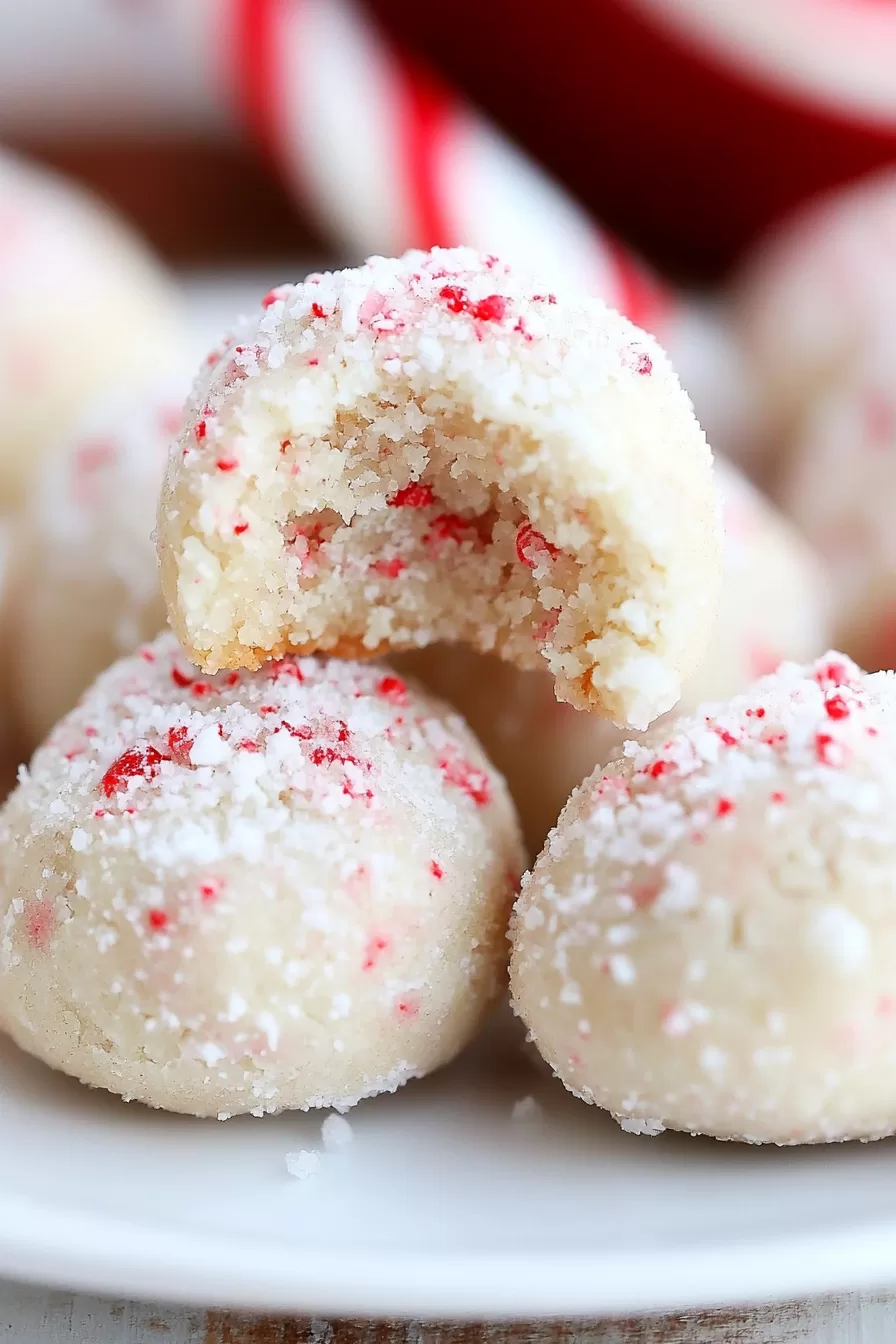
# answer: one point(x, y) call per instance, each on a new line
point(431, 448)
point(253, 892)
point(83, 307)
point(838, 484)
point(774, 605)
point(84, 584)
point(707, 940)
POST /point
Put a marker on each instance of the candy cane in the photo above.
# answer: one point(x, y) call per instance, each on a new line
point(391, 158)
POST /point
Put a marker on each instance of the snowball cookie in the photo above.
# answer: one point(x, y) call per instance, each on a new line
point(812, 294)
point(83, 306)
point(253, 892)
point(774, 605)
point(84, 585)
point(708, 940)
point(839, 485)
point(427, 449)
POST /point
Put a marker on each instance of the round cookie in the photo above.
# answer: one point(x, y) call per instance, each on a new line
point(707, 941)
point(427, 449)
point(812, 295)
point(774, 605)
point(254, 892)
point(839, 484)
point(83, 307)
point(84, 585)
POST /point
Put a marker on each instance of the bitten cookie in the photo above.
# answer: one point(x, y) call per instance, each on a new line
point(253, 892)
point(429, 449)
point(707, 942)
point(83, 307)
point(84, 582)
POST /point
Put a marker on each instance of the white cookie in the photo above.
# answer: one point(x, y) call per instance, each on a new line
point(812, 296)
point(256, 891)
point(427, 449)
point(83, 307)
point(708, 940)
point(839, 484)
point(84, 583)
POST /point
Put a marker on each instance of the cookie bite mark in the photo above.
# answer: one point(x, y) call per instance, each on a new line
point(465, 461)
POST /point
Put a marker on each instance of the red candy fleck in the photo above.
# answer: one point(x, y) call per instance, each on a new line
point(659, 768)
point(375, 946)
point(829, 751)
point(726, 738)
point(645, 894)
point(240, 528)
point(454, 296)
point(453, 528)
point(285, 444)
point(284, 667)
point(532, 547)
point(135, 763)
point(272, 296)
point(201, 430)
point(147, 655)
point(644, 363)
point(317, 311)
point(466, 777)
point(393, 689)
point(437, 870)
point(227, 464)
point(40, 924)
point(724, 807)
point(232, 679)
point(304, 732)
point(778, 796)
point(836, 707)
point(180, 678)
point(833, 674)
point(407, 1007)
point(490, 309)
point(389, 569)
point(211, 889)
point(157, 919)
point(180, 744)
point(416, 495)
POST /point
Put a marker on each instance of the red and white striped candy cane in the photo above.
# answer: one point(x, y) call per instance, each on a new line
point(390, 158)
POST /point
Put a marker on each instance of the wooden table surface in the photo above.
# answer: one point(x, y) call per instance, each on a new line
point(36, 1316)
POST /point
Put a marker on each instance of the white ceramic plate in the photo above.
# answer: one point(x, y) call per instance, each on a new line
point(442, 1205)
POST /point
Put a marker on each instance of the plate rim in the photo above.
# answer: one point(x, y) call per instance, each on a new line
point(85, 1252)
